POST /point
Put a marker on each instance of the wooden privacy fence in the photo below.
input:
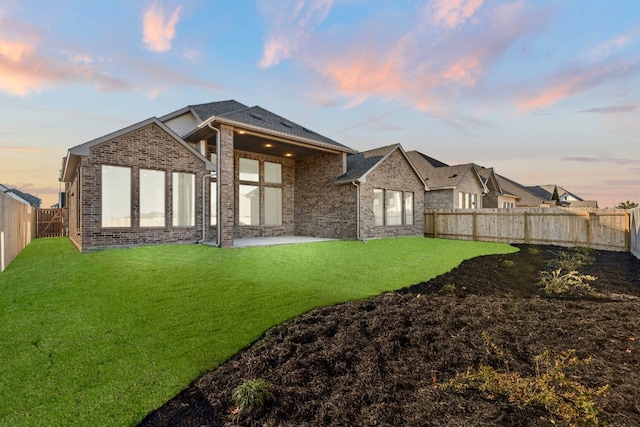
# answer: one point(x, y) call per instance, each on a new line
point(594, 228)
point(51, 222)
point(17, 228)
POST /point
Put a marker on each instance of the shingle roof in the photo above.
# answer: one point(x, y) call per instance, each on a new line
point(19, 195)
point(360, 164)
point(258, 117)
point(525, 197)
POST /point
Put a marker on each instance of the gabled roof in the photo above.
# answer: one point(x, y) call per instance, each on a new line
point(252, 118)
point(444, 177)
point(489, 178)
point(359, 165)
point(78, 151)
point(525, 197)
point(552, 192)
point(16, 194)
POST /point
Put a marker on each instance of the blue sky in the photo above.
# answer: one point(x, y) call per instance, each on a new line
point(544, 91)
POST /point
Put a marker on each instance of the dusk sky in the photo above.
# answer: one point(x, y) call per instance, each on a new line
point(544, 91)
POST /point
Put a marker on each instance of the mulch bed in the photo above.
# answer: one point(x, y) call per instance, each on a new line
point(378, 362)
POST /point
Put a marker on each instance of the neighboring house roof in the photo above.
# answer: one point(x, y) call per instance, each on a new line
point(554, 192)
point(444, 177)
point(16, 194)
point(489, 177)
point(252, 118)
point(359, 165)
point(525, 197)
point(78, 151)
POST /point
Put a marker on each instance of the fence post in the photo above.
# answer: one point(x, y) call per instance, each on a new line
point(475, 225)
point(526, 227)
point(627, 231)
point(435, 224)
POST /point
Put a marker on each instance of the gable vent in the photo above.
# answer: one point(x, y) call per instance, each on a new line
point(454, 175)
point(256, 116)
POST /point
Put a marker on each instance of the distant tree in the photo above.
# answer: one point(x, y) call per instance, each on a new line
point(627, 205)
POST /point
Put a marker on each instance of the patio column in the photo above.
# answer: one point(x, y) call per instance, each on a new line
point(227, 190)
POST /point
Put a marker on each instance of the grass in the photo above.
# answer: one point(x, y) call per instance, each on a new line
point(104, 338)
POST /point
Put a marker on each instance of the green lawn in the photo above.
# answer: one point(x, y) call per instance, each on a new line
point(104, 338)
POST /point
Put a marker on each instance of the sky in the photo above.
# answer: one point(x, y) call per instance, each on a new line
point(543, 91)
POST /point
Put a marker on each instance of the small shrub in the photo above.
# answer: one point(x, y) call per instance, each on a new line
point(252, 394)
point(508, 263)
point(564, 399)
point(567, 261)
point(572, 283)
point(449, 287)
point(534, 251)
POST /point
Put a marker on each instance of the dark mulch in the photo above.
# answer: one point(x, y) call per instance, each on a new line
point(377, 362)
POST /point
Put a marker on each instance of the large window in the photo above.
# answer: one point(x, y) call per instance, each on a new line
point(256, 181)
point(392, 207)
point(116, 196)
point(249, 205)
point(184, 199)
point(152, 196)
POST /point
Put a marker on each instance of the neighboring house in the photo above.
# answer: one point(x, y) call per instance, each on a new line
point(223, 170)
point(21, 196)
point(557, 195)
point(459, 186)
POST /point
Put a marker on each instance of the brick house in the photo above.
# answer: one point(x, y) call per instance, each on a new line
point(223, 170)
point(450, 187)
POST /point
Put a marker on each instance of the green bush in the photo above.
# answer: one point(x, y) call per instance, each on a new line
point(252, 394)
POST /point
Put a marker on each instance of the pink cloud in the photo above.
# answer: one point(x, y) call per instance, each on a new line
point(574, 80)
point(291, 26)
point(452, 13)
point(422, 66)
point(158, 29)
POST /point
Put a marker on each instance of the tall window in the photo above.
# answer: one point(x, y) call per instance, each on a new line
point(392, 207)
point(473, 201)
point(214, 203)
point(152, 196)
point(408, 208)
point(184, 199)
point(249, 205)
point(252, 186)
point(272, 206)
point(116, 196)
point(378, 206)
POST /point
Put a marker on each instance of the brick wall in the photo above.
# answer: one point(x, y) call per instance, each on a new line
point(323, 208)
point(394, 173)
point(146, 148)
point(440, 199)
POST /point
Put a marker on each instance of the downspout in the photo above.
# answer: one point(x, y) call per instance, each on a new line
point(357, 185)
point(203, 208)
point(218, 225)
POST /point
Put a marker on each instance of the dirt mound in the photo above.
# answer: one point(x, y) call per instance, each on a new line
point(379, 361)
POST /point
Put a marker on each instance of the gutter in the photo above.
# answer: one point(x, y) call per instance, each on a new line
point(218, 225)
point(356, 183)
